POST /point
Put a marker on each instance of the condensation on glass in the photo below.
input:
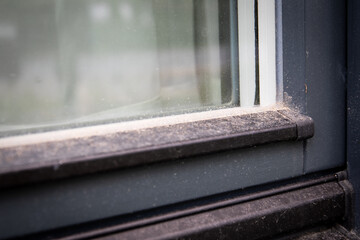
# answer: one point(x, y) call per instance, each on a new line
point(66, 63)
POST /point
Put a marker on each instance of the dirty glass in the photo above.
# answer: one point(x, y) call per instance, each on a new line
point(66, 63)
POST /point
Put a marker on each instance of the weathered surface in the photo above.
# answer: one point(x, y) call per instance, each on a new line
point(258, 219)
point(130, 148)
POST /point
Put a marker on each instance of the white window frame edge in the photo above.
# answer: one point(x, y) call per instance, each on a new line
point(267, 52)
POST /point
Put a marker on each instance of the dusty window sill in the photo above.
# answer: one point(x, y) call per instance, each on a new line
point(78, 154)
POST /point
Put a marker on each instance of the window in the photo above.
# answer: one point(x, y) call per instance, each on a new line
point(204, 146)
point(76, 63)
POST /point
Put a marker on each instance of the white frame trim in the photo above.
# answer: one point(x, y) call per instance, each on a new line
point(246, 36)
point(267, 52)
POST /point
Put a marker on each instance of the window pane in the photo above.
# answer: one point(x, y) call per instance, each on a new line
point(66, 62)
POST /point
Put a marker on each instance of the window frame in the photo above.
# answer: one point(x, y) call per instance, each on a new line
point(308, 59)
point(51, 155)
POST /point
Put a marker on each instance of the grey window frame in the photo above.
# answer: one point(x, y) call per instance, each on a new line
point(310, 30)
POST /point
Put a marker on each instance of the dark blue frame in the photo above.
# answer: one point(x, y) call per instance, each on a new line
point(314, 73)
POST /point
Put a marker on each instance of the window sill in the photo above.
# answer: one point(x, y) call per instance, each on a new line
point(126, 147)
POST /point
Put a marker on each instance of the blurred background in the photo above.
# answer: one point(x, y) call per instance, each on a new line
point(66, 61)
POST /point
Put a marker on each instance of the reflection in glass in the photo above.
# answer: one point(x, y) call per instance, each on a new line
point(66, 62)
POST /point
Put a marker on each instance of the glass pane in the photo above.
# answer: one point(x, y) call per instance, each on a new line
point(66, 63)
